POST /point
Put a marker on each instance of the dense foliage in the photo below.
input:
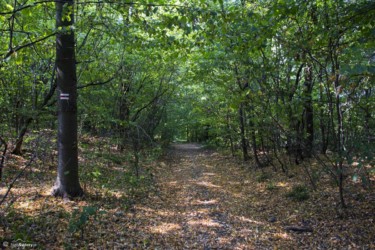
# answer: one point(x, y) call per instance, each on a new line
point(282, 89)
point(276, 78)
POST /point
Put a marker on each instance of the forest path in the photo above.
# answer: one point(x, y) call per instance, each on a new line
point(196, 207)
point(206, 200)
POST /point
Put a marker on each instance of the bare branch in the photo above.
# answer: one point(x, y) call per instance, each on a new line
point(13, 50)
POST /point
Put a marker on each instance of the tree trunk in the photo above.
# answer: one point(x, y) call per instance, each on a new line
point(323, 131)
point(123, 116)
point(18, 148)
point(255, 148)
point(229, 134)
point(309, 114)
point(67, 182)
point(293, 137)
point(243, 136)
point(367, 111)
point(2, 157)
point(340, 145)
point(340, 133)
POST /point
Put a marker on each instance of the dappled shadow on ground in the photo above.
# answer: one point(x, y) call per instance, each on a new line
point(207, 201)
point(201, 200)
point(195, 208)
point(188, 213)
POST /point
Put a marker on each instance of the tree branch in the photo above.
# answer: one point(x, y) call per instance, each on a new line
point(13, 50)
point(97, 83)
point(17, 177)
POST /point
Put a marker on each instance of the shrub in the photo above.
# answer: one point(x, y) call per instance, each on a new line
point(79, 219)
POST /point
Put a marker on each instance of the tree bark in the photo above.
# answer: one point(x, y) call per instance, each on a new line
point(2, 157)
point(18, 147)
point(243, 136)
point(229, 134)
point(340, 133)
point(309, 112)
point(123, 115)
point(67, 182)
point(255, 148)
point(367, 111)
point(323, 129)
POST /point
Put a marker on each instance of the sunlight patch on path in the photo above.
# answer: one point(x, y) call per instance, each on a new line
point(207, 184)
point(193, 204)
point(204, 223)
point(209, 174)
point(206, 202)
point(165, 228)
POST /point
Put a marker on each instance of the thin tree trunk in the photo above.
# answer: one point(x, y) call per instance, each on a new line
point(242, 131)
point(2, 157)
point(340, 142)
point(230, 135)
point(255, 148)
point(340, 134)
point(309, 114)
point(323, 131)
point(18, 147)
point(367, 116)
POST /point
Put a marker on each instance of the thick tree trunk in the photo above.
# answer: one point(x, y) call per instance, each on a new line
point(67, 183)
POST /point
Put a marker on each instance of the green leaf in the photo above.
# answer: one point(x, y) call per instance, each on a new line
point(9, 7)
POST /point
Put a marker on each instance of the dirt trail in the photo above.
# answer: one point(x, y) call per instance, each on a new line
point(202, 221)
point(208, 201)
point(200, 200)
point(193, 209)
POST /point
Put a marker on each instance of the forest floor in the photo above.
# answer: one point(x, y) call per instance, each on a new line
point(196, 199)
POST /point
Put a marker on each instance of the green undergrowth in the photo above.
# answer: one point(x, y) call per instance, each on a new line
point(111, 170)
point(263, 177)
point(111, 179)
point(299, 193)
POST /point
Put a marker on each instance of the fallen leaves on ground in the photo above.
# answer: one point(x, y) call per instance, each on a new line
point(199, 200)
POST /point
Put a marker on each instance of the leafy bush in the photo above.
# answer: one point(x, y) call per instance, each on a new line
point(79, 219)
point(299, 193)
point(137, 186)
